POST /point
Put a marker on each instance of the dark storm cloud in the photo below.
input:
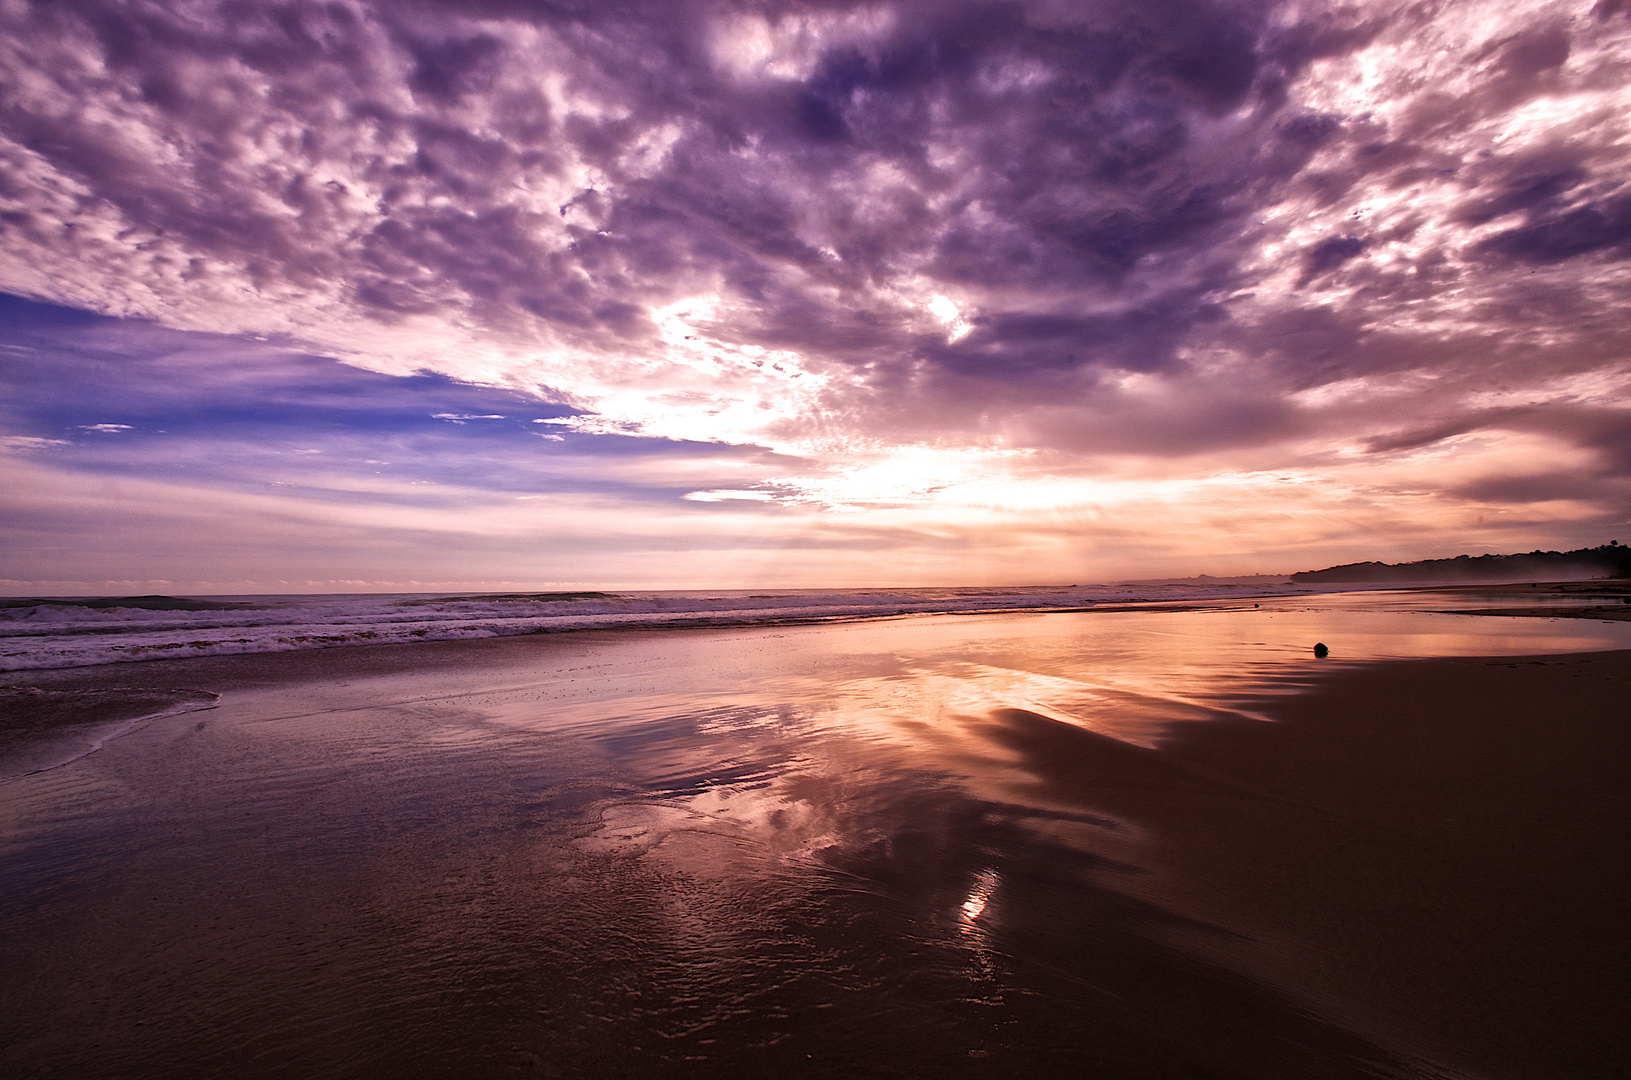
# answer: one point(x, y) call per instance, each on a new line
point(1068, 175)
point(1554, 235)
point(1110, 190)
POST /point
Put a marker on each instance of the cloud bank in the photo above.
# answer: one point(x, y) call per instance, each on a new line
point(1044, 261)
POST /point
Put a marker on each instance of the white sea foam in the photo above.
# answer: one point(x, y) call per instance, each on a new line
point(69, 634)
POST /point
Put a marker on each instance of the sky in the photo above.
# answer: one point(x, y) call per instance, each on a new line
point(350, 296)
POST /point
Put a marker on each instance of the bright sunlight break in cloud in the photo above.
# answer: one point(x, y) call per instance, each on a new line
point(351, 295)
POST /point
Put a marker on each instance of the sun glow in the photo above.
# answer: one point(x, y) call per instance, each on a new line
point(979, 897)
point(946, 310)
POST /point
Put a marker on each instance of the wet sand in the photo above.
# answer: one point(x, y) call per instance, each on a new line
point(1605, 612)
point(796, 853)
point(1552, 600)
point(1434, 851)
point(43, 729)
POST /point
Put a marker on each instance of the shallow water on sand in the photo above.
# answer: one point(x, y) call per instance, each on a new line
point(811, 850)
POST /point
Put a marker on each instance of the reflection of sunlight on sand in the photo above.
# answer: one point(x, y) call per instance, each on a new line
point(975, 935)
point(985, 883)
point(1127, 708)
point(716, 833)
point(793, 804)
point(760, 751)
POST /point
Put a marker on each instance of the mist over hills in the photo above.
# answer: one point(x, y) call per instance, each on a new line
point(1607, 561)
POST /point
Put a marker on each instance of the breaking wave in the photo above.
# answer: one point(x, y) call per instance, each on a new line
point(72, 632)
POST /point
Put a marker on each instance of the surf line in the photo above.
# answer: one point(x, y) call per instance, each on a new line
point(119, 732)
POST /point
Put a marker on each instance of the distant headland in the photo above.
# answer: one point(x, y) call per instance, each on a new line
point(1611, 560)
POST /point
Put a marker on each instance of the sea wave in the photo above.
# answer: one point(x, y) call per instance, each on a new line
point(72, 632)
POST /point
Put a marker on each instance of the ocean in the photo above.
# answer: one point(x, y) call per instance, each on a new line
point(75, 631)
point(41, 633)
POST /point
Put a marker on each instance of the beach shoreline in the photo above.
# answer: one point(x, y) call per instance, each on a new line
point(1411, 869)
point(74, 635)
point(1616, 594)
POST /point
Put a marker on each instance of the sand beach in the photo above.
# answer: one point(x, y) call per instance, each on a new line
point(652, 541)
point(1121, 844)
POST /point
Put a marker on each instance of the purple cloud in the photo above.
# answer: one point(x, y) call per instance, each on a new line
point(1105, 241)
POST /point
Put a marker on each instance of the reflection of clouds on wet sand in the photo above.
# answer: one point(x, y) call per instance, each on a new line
point(904, 843)
point(972, 779)
point(785, 759)
point(717, 832)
